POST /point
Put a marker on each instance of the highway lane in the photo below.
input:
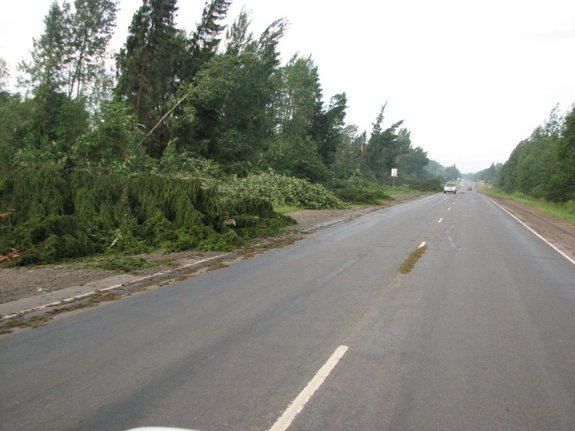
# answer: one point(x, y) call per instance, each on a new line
point(478, 336)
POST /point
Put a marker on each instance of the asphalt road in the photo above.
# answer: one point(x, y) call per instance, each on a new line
point(480, 335)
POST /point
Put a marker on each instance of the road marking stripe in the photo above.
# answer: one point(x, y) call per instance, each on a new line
point(440, 220)
point(422, 244)
point(305, 395)
point(536, 234)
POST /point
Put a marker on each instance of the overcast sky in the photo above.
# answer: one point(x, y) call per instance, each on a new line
point(471, 78)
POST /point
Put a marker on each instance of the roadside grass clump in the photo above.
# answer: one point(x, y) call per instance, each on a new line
point(281, 190)
point(54, 213)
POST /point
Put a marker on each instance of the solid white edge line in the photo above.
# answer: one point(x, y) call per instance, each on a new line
point(535, 233)
point(305, 395)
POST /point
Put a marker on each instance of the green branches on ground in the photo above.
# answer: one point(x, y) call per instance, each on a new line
point(282, 190)
point(363, 196)
point(53, 213)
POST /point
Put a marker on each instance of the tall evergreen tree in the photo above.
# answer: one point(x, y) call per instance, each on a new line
point(147, 66)
point(205, 40)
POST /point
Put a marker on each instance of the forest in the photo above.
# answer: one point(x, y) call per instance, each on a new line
point(541, 166)
point(190, 140)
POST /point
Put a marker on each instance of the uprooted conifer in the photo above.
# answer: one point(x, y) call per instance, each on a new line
point(52, 214)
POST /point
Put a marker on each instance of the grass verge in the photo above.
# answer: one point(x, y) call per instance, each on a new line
point(564, 211)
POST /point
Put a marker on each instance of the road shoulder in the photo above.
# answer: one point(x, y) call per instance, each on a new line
point(557, 232)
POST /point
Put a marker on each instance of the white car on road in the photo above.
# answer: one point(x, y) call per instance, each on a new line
point(450, 187)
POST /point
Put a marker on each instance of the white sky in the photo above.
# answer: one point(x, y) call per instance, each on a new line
point(471, 78)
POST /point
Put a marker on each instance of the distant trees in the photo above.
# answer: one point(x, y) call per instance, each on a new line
point(543, 164)
point(391, 148)
point(489, 175)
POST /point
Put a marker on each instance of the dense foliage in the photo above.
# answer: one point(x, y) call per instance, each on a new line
point(56, 213)
point(543, 165)
point(284, 191)
point(173, 145)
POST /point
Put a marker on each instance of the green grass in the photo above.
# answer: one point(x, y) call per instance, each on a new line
point(564, 211)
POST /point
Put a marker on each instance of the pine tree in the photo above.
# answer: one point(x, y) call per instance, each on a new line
point(147, 67)
point(204, 42)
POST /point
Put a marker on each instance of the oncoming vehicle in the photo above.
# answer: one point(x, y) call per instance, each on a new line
point(450, 187)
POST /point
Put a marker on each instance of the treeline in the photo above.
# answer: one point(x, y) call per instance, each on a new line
point(208, 107)
point(217, 94)
point(489, 175)
point(542, 165)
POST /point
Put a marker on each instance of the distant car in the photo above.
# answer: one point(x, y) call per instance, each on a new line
point(450, 187)
point(469, 188)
